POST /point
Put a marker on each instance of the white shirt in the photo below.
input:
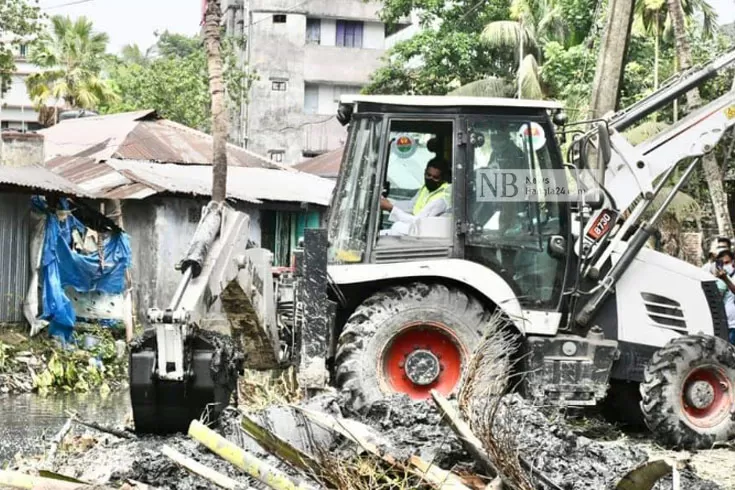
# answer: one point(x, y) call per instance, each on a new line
point(403, 218)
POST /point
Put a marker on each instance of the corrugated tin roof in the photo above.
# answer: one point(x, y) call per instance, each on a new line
point(98, 136)
point(99, 179)
point(243, 183)
point(140, 135)
point(325, 165)
point(136, 179)
point(35, 177)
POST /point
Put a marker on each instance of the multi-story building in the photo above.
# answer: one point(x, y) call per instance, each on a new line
point(16, 108)
point(306, 55)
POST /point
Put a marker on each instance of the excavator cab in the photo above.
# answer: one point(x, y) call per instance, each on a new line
point(506, 188)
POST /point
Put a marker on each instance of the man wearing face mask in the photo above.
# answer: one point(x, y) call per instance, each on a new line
point(433, 199)
point(725, 270)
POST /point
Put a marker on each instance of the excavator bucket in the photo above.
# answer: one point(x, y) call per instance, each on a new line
point(162, 406)
point(179, 371)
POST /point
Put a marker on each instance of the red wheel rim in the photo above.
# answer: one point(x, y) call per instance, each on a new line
point(714, 407)
point(431, 337)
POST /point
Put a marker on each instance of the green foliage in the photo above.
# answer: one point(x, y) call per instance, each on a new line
point(71, 56)
point(77, 370)
point(19, 21)
point(568, 74)
point(172, 78)
point(6, 359)
point(447, 54)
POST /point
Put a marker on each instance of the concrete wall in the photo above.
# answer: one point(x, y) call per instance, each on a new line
point(344, 9)
point(17, 108)
point(160, 229)
point(340, 65)
point(276, 120)
point(21, 149)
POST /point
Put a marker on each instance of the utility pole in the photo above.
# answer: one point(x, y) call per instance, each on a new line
point(213, 41)
point(611, 59)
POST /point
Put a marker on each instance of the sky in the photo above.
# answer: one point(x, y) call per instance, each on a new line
point(725, 10)
point(134, 21)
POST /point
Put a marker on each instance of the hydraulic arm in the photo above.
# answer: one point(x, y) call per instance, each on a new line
point(178, 370)
point(633, 170)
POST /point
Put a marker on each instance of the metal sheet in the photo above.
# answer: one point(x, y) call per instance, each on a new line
point(244, 184)
point(14, 255)
point(34, 177)
point(326, 165)
point(139, 135)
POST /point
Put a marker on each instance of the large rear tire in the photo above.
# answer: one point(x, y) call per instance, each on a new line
point(408, 339)
point(688, 392)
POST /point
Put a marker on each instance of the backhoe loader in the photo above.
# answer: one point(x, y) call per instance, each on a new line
point(554, 245)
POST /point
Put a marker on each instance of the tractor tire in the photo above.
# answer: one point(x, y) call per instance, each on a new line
point(431, 327)
point(688, 392)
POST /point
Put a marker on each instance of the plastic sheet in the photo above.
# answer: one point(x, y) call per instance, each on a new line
point(62, 266)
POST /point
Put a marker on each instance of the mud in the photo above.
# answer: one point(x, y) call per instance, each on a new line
point(573, 461)
point(417, 428)
point(576, 462)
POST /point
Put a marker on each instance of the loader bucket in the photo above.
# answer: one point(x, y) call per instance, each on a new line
point(165, 407)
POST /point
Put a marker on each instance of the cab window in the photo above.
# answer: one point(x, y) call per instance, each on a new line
point(411, 186)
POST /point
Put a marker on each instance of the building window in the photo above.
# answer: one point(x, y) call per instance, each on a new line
point(278, 85)
point(349, 33)
point(279, 18)
point(276, 155)
point(313, 31)
point(311, 98)
point(23, 50)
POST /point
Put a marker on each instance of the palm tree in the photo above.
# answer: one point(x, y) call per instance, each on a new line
point(710, 166)
point(653, 18)
point(213, 42)
point(71, 56)
point(533, 23)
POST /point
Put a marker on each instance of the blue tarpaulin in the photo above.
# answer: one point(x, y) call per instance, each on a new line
point(62, 266)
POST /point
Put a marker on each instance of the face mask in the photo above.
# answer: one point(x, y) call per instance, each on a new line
point(432, 185)
point(728, 268)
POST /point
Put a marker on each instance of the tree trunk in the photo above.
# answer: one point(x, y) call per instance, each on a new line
point(212, 37)
point(710, 166)
point(611, 60)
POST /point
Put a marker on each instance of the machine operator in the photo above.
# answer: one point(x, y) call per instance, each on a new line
point(433, 199)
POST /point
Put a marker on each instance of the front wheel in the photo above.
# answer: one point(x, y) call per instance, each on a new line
point(409, 339)
point(688, 392)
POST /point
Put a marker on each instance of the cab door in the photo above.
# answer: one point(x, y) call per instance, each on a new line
point(510, 217)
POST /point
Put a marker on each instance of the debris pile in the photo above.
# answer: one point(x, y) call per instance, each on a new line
point(399, 443)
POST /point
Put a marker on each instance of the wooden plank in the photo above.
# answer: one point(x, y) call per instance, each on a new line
point(222, 481)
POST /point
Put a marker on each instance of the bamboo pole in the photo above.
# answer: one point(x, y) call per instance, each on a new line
point(242, 459)
point(14, 479)
point(222, 481)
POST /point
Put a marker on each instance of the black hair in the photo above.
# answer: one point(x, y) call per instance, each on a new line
point(724, 239)
point(725, 252)
point(440, 164)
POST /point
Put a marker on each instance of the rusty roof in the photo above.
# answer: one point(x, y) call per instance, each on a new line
point(325, 165)
point(140, 135)
point(37, 178)
point(136, 179)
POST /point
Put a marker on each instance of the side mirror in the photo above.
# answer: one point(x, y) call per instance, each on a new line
point(603, 142)
point(344, 113)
